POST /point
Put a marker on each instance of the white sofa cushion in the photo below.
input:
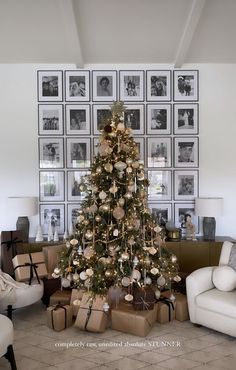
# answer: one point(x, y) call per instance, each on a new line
point(215, 300)
point(225, 253)
point(224, 278)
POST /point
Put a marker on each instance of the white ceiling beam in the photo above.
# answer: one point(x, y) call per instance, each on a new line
point(188, 31)
point(71, 31)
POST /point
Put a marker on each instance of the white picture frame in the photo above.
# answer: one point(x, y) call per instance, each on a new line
point(181, 209)
point(51, 152)
point(50, 87)
point(186, 119)
point(131, 85)
point(78, 119)
point(158, 85)
point(50, 119)
point(78, 152)
point(186, 153)
point(162, 212)
point(158, 119)
point(159, 152)
point(160, 185)
point(77, 86)
point(55, 213)
point(51, 186)
point(134, 118)
point(74, 179)
point(104, 86)
point(186, 185)
point(186, 85)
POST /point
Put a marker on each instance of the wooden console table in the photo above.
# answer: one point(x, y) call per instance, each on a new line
point(193, 255)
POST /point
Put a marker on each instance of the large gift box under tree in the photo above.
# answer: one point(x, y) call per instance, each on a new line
point(59, 317)
point(60, 297)
point(124, 318)
point(91, 315)
point(29, 265)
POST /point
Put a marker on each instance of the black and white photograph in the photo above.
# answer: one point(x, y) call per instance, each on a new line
point(104, 85)
point(159, 152)
point(78, 152)
point(186, 185)
point(53, 214)
point(51, 153)
point(134, 118)
point(158, 85)
point(76, 187)
point(101, 112)
point(141, 148)
point(50, 119)
point(77, 86)
point(186, 85)
point(132, 85)
point(158, 119)
point(51, 186)
point(78, 119)
point(186, 151)
point(72, 214)
point(160, 187)
point(50, 86)
point(186, 119)
point(185, 214)
point(161, 212)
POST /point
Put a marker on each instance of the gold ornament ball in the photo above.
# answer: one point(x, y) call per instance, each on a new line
point(98, 170)
point(121, 202)
point(105, 207)
point(128, 195)
point(141, 166)
point(98, 218)
point(125, 256)
point(108, 167)
point(129, 161)
point(86, 222)
point(108, 273)
point(89, 234)
point(130, 227)
point(118, 213)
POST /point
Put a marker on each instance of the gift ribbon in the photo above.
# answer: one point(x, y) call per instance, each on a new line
point(12, 243)
point(90, 309)
point(55, 309)
point(33, 268)
point(169, 304)
point(143, 302)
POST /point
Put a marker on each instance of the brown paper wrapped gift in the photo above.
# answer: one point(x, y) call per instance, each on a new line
point(144, 298)
point(59, 317)
point(126, 319)
point(60, 297)
point(11, 245)
point(165, 311)
point(75, 300)
point(22, 265)
point(91, 316)
point(52, 256)
point(181, 307)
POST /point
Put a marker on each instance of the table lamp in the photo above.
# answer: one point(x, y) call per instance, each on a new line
point(209, 208)
point(26, 207)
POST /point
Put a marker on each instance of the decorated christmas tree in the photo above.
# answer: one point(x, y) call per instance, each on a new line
point(117, 241)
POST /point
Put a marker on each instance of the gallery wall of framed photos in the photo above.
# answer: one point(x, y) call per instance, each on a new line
point(162, 108)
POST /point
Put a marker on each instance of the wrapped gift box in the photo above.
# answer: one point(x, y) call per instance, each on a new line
point(181, 307)
point(52, 256)
point(11, 245)
point(75, 300)
point(126, 319)
point(165, 311)
point(59, 317)
point(60, 297)
point(50, 286)
point(22, 265)
point(91, 316)
point(144, 298)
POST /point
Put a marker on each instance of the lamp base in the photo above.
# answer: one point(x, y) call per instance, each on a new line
point(23, 225)
point(209, 228)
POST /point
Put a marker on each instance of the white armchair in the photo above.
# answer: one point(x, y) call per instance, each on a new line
point(208, 306)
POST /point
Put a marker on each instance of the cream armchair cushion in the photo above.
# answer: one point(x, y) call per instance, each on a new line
point(224, 278)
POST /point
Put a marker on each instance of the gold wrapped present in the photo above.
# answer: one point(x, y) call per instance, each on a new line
point(124, 318)
point(60, 297)
point(165, 310)
point(30, 265)
point(75, 300)
point(181, 307)
point(91, 315)
point(59, 317)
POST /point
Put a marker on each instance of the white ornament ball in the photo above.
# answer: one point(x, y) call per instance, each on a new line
point(136, 275)
point(125, 281)
point(157, 294)
point(129, 297)
point(148, 281)
point(65, 283)
point(161, 281)
point(83, 275)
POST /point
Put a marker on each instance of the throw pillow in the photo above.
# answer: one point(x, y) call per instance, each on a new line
point(232, 258)
point(224, 278)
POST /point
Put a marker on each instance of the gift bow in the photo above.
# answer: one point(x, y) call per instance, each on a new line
point(169, 303)
point(12, 244)
point(59, 305)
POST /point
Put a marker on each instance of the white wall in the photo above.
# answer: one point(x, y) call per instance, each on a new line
point(19, 146)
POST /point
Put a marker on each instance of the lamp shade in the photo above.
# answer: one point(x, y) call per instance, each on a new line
point(209, 207)
point(23, 206)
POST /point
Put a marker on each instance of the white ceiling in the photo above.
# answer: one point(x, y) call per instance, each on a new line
point(118, 31)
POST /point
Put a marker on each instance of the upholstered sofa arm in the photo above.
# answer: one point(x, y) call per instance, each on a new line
point(198, 282)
